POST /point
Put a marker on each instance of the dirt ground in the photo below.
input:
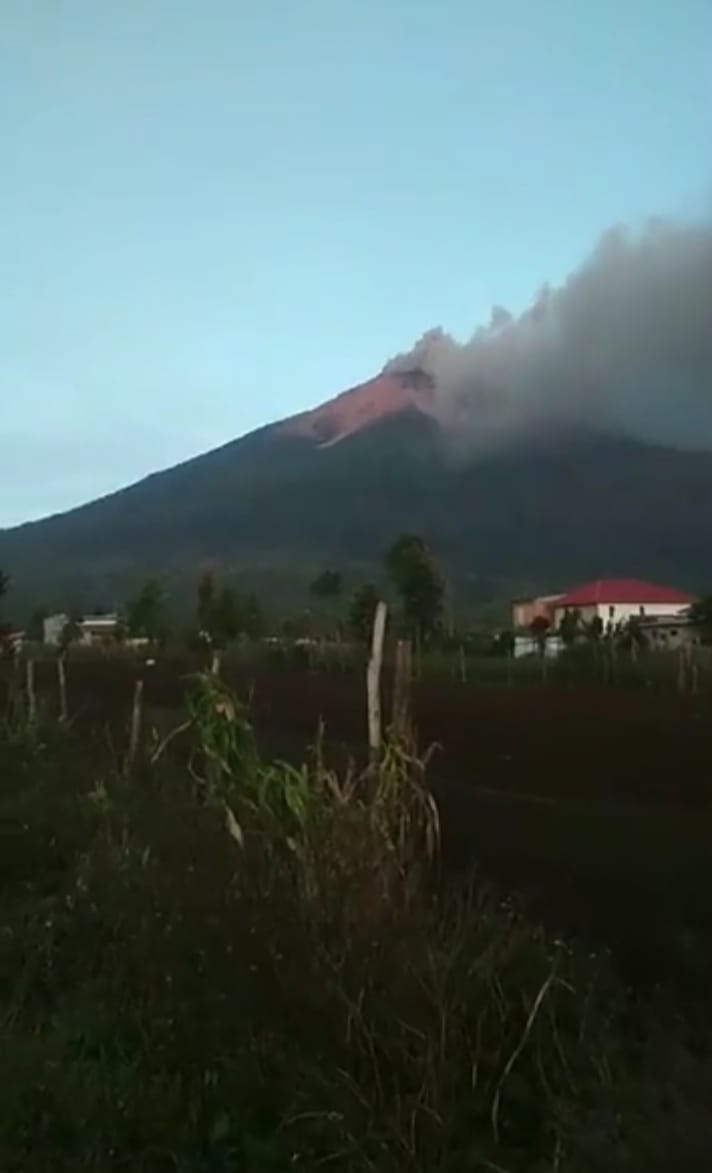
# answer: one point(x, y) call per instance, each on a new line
point(594, 804)
point(579, 742)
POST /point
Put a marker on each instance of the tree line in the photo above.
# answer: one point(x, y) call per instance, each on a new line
point(223, 614)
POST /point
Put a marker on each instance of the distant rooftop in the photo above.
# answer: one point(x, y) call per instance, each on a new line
point(624, 590)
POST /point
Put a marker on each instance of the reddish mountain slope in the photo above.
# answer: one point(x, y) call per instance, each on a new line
point(362, 406)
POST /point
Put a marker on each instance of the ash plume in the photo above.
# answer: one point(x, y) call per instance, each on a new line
point(624, 345)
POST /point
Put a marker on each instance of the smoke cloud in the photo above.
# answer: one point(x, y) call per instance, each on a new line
point(624, 345)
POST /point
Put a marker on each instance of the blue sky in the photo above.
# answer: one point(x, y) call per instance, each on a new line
point(214, 215)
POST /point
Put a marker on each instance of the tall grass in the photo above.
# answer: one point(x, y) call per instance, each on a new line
point(230, 964)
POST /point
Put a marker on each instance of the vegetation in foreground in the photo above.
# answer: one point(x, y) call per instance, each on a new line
point(215, 963)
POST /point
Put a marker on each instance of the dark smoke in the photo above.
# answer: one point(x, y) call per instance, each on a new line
point(624, 345)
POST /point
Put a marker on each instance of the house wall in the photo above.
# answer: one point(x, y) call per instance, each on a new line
point(670, 637)
point(53, 626)
point(96, 635)
point(620, 612)
point(586, 613)
point(625, 611)
point(525, 611)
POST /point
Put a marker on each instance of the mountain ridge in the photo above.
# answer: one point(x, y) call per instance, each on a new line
point(334, 485)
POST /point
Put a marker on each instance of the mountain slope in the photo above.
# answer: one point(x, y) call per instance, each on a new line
point(335, 486)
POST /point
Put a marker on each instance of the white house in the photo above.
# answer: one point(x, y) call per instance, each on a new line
point(52, 628)
point(92, 629)
point(616, 600)
point(98, 629)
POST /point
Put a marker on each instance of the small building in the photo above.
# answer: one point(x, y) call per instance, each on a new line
point(525, 611)
point(92, 630)
point(53, 627)
point(669, 632)
point(97, 630)
point(615, 601)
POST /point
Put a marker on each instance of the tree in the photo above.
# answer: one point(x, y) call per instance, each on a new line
point(419, 583)
point(701, 615)
point(145, 613)
point(570, 626)
point(216, 611)
point(35, 630)
point(362, 610)
point(223, 624)
point(327, 585)
point(595, 629)
point(206, 602)
point(223, 614)
point(632, 637)
point(71, 632)
point(4, 584)
point(252, 619)
point(539, 628)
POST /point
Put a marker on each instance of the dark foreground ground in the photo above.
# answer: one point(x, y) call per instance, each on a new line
point(295, 989)
point(595, 804)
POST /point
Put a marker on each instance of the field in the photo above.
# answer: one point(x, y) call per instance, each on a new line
point(581, 808)
point(594, 802)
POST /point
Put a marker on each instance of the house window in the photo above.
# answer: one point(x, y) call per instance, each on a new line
point(611, 611)
point(641, 609)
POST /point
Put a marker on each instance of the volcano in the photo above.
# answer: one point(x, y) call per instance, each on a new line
point(333, 487)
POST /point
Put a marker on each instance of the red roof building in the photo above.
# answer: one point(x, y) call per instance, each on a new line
point(617, 600)
point(629, 591)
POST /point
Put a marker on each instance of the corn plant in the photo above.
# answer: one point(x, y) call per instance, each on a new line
point(232, 769)
point(284, 791)
point(225, 740)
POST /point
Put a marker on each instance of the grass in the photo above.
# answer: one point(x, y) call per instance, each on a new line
point(219, 963)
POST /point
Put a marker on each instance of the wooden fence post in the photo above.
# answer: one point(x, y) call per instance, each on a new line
point(62, 683)
point(695, 681)
point(681, 673)
point(30, 690)
point(373, 680)
point(418, 653)
point(135, 734)
point(463, 664)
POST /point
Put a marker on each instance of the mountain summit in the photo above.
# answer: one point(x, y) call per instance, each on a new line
point(363, 406)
